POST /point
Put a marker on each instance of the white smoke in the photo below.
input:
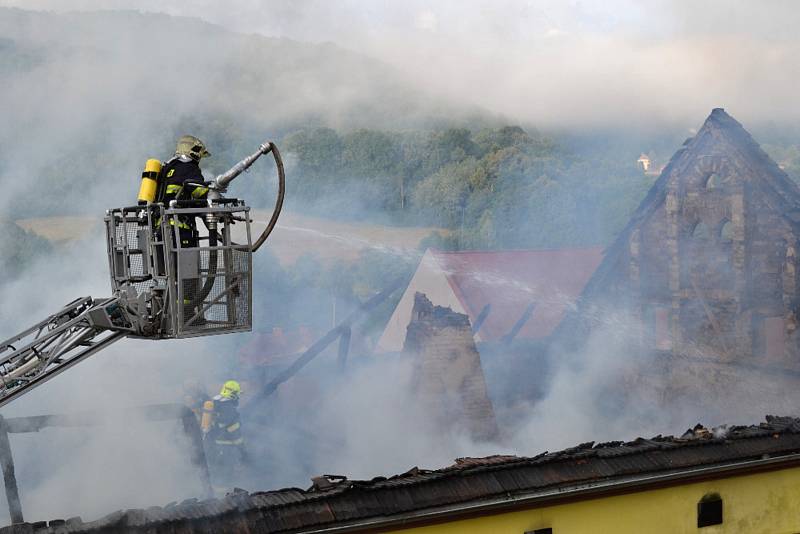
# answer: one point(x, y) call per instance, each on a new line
point(550, 63)
point(126, 460)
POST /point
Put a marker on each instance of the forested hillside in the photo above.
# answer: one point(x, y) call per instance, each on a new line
point(88, 97)
point(493, 187)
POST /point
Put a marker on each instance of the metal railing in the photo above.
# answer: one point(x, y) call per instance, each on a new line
point(180, 269)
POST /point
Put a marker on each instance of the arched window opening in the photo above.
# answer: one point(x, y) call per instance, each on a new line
point(662, 333)
point(713, 181)
point(709, 510)
point(701, 232)
point(726, 232)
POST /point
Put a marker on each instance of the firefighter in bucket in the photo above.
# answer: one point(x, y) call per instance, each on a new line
point(180, 178)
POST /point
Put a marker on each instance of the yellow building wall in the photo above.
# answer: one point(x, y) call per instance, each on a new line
point(766, 502)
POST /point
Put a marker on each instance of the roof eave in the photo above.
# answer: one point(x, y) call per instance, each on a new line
point(562, 494)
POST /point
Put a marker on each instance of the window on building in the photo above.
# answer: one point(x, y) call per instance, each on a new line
point(769, 337)
point(547, 530)
point(712, 182)
point(774, 337)
point(726, 232)
point(701, 231)
point(709, 510)
point(662, 334)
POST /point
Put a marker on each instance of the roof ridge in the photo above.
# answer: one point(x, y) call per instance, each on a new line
point(754, 156)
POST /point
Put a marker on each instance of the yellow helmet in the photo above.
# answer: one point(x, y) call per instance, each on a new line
point(189, 145)
point(231, 390)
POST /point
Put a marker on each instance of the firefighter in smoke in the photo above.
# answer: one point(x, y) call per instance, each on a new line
point(222, 428)
point(182, 179)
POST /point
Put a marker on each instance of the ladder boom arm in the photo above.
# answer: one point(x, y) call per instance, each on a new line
point(80, 329)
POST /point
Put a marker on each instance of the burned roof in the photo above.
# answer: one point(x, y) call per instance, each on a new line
point(498, 290)
point(510, 280)
point(492, 483)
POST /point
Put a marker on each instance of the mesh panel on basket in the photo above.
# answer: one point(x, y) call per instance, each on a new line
point(214, 285)
point(224, 287)
point(126, 232)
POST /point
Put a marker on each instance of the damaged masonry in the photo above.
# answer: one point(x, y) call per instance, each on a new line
point(708, 267)
point(448, 378)
point(479, 267)
point(709, 258)
point(704, 277)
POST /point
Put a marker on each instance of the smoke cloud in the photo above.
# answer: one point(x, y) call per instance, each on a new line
point(552, 63)
point(125, 461)
point(121, 85)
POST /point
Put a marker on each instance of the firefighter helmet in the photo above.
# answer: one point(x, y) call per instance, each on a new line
point(189, 145)
point(231, 390)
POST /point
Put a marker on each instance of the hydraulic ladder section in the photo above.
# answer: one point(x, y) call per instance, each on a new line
point(78, 330)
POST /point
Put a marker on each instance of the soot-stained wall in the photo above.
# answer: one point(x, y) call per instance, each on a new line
point(448, 377)
point(708, 263)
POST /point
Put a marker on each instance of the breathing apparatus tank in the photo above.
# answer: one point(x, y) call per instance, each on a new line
point(207, 417)
point(147, 191)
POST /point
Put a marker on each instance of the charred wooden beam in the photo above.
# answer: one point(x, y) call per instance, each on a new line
point(9, 477)
point(327, 339)
point(344, 346)
point(151, 412)
point(508, 338)
point(481, 318)
point(198, 455)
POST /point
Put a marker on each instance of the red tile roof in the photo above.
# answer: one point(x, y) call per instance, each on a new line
point(511, 280)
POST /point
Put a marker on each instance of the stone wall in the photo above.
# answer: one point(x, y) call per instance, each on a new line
point(706, 276)
point(715, 266)
point(448, 378)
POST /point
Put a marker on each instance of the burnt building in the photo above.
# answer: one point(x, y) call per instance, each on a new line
point(732, 479)
point(513, 301)
point(707, 266)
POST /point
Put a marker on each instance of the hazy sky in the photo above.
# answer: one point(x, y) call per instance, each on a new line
point(549, 61)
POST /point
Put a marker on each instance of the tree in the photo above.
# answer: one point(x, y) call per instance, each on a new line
point(375, 157)
point(448, 146)
point(317, 151)
point(441, 198)
point(370, 153)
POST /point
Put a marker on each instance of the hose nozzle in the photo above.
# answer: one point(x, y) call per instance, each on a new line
point(220, 183)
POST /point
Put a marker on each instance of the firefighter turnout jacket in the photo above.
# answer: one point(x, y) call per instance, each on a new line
point(226, 425)
point(176, 173)
point(182, 180)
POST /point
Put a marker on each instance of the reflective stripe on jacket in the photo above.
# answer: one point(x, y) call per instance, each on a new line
point(226, 425)
point(175, 174)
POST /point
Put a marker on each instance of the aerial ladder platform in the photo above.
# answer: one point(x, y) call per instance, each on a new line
point(161, 288)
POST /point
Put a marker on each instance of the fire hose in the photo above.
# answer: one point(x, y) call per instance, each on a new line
point(218, 186)
point(278, 200)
